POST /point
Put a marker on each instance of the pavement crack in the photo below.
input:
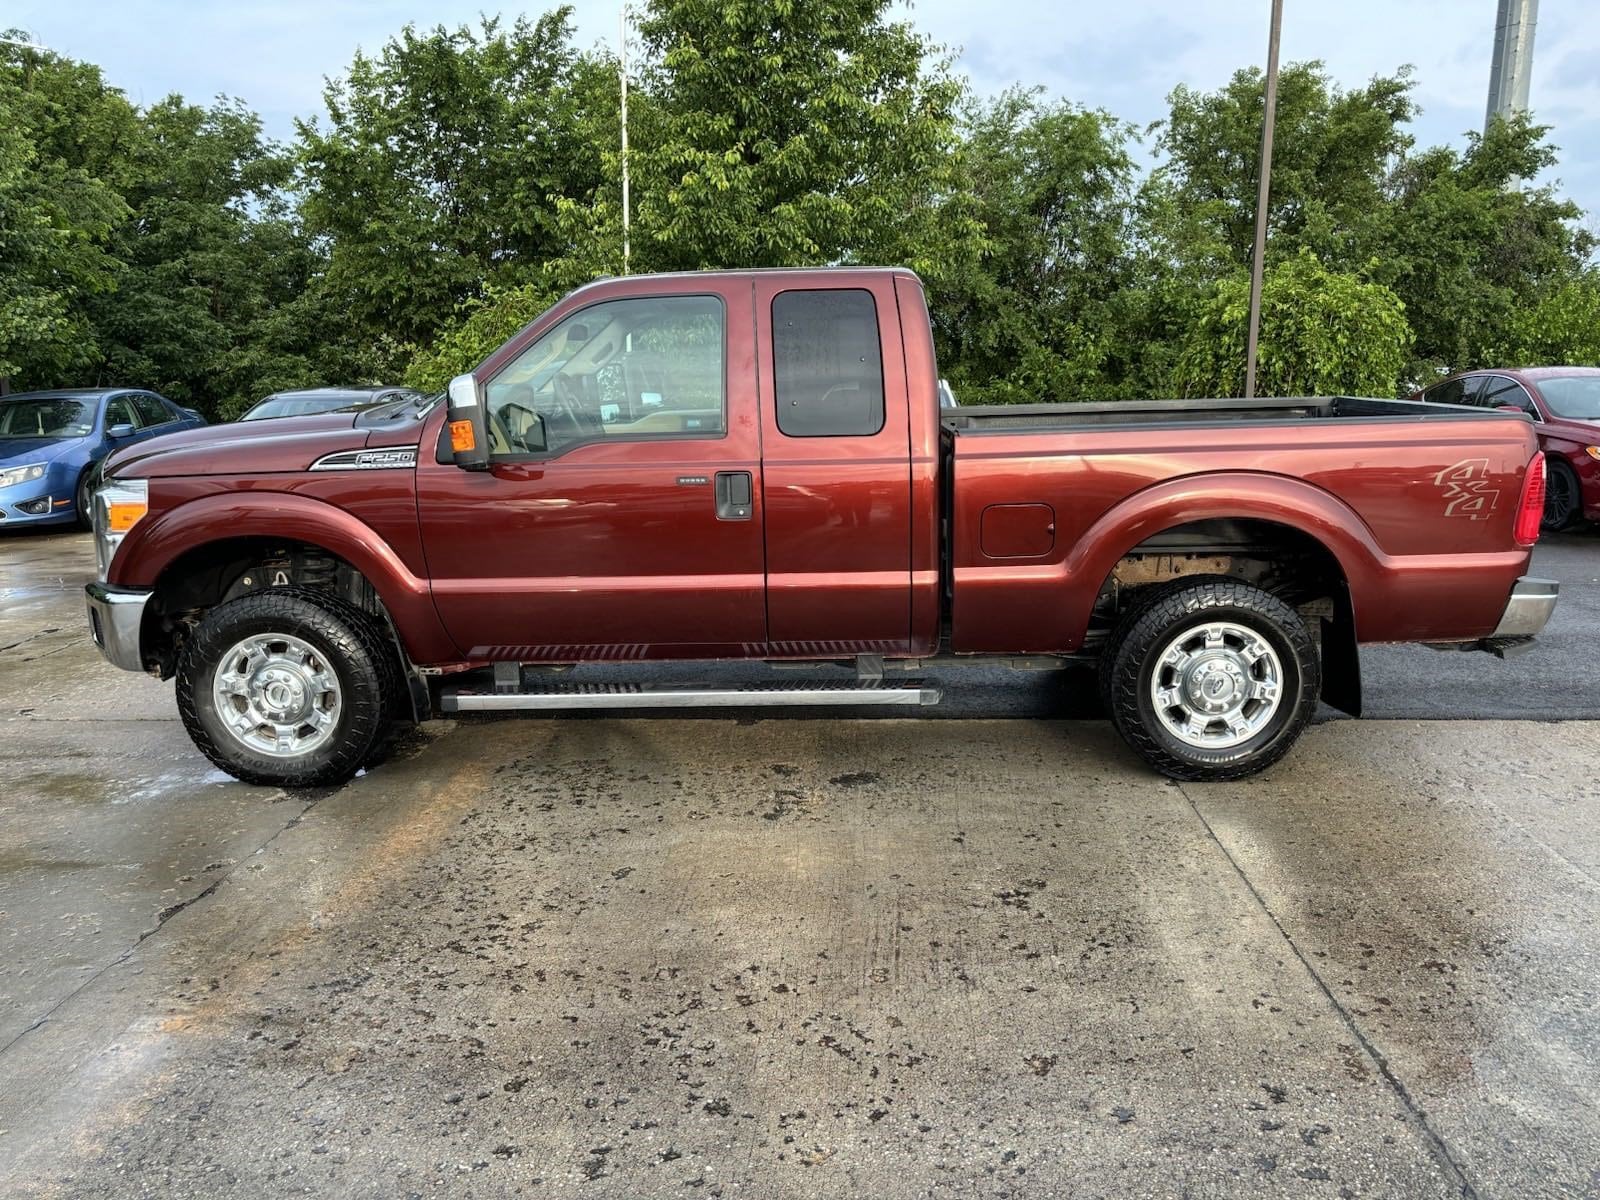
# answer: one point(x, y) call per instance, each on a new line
point(309, 800)
point(32, 637)
point(1453, 1169)
point(172, 910)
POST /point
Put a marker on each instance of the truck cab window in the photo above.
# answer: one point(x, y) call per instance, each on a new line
point(643, 368)
point(827, 362)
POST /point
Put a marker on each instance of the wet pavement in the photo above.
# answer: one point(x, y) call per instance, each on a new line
point(774, 958)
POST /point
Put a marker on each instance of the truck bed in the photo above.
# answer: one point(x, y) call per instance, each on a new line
point(1025, 418)
point(1415, 501)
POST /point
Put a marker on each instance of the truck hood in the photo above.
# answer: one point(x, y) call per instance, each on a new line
point(272, 446)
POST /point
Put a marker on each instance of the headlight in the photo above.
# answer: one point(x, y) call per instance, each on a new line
point(118, 506)
point(1592, 451)
point(15, 475)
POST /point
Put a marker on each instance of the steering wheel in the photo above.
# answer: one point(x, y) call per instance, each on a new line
point(570, 406)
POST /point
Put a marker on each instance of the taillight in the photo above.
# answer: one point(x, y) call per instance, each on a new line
point(1531, 511)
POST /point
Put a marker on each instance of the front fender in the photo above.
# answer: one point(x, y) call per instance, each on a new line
point(160, 539)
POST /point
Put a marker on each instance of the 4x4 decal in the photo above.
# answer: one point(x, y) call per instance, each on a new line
point(1467, 491)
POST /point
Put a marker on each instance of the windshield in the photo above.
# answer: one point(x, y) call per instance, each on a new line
point(1576, 397)
point(46, 417)
point(299, 406)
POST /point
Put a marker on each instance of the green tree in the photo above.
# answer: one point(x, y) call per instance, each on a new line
point(1029, 316)
point(212, 257)
point(478, 329)
point(1332, 153)
point(763, 134)
point(1323, 333)
point(1469, 246)
point(1561, 329)
point(784, 133)
point(61, 132)
point(435, 175)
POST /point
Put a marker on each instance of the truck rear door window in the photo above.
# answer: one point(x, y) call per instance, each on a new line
point(827, 363)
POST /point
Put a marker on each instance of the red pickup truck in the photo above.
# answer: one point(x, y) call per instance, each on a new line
point(756, 465)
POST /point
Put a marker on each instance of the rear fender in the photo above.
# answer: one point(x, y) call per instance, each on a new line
point(1281, 500)
point(1230, 495)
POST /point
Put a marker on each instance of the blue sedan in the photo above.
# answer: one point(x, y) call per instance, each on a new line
point(51, 441)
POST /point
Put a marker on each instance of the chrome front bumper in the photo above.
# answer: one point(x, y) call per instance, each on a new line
point(1532, 601)
point(115, 618)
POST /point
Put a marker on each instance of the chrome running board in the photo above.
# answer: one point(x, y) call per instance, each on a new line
point(565, 696)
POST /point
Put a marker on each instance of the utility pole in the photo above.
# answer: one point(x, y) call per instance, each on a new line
point(1511, 70)
point(1263, 191)
point(624, 73)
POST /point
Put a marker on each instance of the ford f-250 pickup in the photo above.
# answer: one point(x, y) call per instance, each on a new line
point(755, 466)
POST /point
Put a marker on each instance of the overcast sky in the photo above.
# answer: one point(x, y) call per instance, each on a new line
point(1124, 57)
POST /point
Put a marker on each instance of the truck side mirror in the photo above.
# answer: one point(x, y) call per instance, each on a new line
point(468, 424)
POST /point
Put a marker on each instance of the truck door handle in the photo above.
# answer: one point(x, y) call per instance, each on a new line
point(734, 500)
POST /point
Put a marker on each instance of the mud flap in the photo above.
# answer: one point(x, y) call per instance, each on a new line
point(1341, 659)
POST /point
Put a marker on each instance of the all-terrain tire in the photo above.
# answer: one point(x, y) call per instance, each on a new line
point(357, 651)
point(1161, 615)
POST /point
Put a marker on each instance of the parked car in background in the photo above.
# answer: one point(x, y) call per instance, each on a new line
point(50, 443)
point(1564, 405)
point(327, 399)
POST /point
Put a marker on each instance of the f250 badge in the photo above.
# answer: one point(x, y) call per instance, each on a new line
point(1466, 489)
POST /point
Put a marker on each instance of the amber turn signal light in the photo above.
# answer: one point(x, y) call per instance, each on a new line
point(122, 516)
point(461, 437)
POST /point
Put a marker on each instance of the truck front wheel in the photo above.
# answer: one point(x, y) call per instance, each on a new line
point(281, 688)
point(1211, 679)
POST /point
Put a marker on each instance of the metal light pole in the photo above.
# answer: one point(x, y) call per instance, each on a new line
point(623, 22)
point(1512, 69)
point(1263, 191)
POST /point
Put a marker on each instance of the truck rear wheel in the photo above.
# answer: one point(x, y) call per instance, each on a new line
point(285, 687)
point(1211, 679)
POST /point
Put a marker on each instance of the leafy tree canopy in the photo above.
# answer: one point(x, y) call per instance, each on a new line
point(433, 176)
point(461, 178)
point(1323, 333)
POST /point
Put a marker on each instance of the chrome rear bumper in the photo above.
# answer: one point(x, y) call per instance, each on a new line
point(115, 618)
point(1529, 608)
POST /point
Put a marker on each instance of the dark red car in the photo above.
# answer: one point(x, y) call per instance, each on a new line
point(1564, 403)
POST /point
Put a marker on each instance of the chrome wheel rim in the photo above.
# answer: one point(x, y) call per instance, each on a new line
point(1216, 685)
point(277, 695)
